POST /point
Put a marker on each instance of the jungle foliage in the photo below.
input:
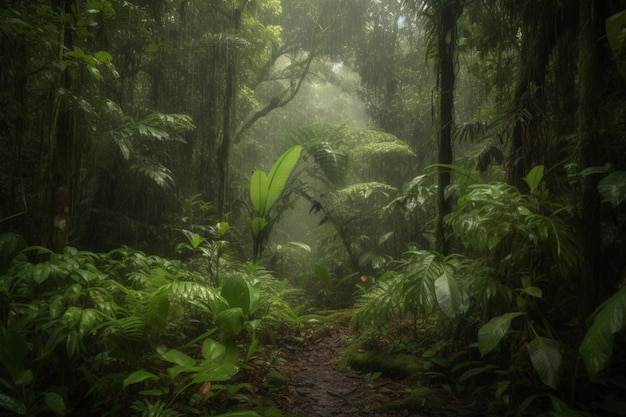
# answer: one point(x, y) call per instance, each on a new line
point(180, 179)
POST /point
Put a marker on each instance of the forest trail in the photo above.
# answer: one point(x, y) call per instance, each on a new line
point(317, 388)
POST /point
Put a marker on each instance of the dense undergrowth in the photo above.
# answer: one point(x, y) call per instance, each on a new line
point(498, 325)
point(126, 333)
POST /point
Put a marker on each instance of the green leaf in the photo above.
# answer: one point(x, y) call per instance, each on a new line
point(222, 372)
point(24, 378)
point(280, 172)
point(41, 272)
point(451, 298)
point(546, 359)
point(138, 376)
point(258, 224)
point(95, 73)
point(104, 57)
point(596, 348)
point(533, 291)
point(301, 245)
point(596, 170)
point(613, 187)
point(490, 334)
point(89, 319)
point(265, 189)
point(213, 350)
point(10, 245)
point(534, 177)
point(72, 343)
point(178, 357)
point(55, 403)
point(502, 386)
point(384, 238)
point(240, 293)
point(12, 404)
point(231, 321)
point(258, 191)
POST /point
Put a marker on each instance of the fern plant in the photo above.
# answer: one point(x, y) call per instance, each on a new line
point(423, 282)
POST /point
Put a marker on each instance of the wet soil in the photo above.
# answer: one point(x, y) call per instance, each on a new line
point(317, 388)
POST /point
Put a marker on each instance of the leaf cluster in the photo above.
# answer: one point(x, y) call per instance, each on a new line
point(77, 324)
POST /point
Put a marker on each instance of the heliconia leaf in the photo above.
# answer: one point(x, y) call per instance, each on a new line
point(258, 191)
point(138, 376)
point(265, 189)
point(546, 359)
point(490, 334)
point(280, 172)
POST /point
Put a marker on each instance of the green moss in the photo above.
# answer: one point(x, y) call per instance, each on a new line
point(399, 365)
point(275, 378)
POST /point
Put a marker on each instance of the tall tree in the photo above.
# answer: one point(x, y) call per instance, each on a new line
point(447, 12)
point(63, 133)
point(541, 25)
point(587, 156)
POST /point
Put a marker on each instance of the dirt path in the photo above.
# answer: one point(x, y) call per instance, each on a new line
point(317, 389)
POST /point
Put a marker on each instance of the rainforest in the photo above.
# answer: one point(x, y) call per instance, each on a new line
point(313, 208)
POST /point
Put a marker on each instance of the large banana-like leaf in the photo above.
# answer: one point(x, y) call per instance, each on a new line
point(280, 172)
point(258, 191)
point(265, 189)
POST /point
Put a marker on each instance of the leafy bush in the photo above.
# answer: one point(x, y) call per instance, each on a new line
point(75, 325)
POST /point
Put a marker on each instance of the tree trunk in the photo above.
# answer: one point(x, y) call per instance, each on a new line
point(228, 116)
point(589, 202)
point(61, 164)
point(446, 40)
point(542, 26)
